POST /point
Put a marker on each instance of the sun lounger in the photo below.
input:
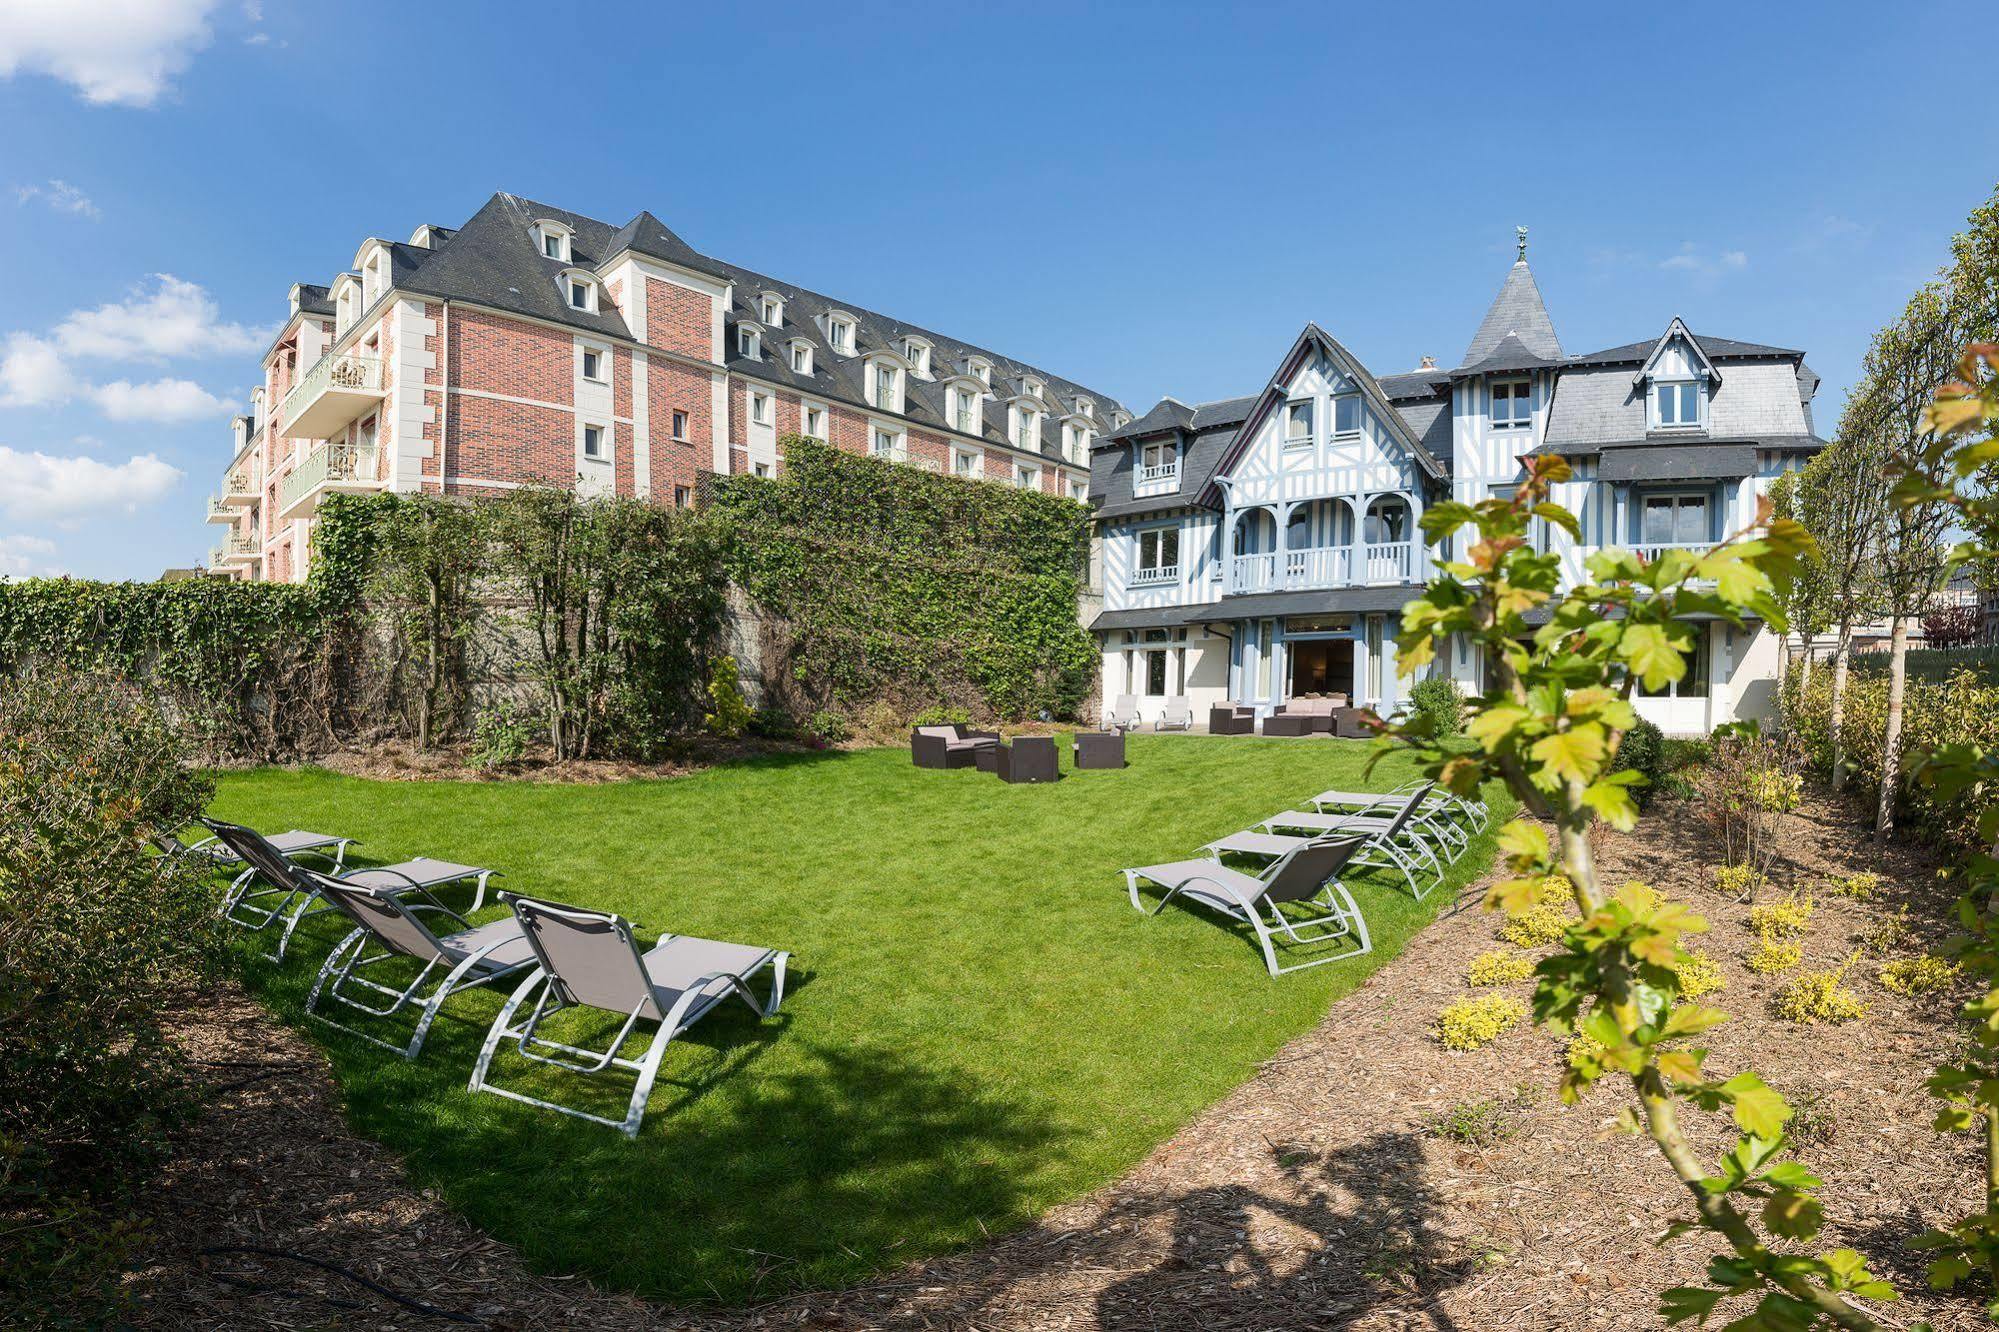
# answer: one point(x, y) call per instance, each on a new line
point(589, 959)
point(1390, 843)
point(1123, 715)
point(1301, 876)
point(1436, 814)
point(1177, 715)
point(388, 927)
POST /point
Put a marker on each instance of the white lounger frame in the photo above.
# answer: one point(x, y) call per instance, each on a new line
point(1342, 916)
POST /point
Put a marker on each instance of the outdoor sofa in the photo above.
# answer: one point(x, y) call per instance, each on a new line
point(950, 746)
point(1305, 716)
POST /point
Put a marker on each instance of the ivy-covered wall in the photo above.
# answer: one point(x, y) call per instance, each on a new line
point(885, 583)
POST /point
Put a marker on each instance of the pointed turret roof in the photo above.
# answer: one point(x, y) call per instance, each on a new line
point(1516, 311)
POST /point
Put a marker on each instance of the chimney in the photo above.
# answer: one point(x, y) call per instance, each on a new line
point(1429, 363)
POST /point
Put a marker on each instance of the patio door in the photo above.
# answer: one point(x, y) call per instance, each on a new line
point(1321, 666)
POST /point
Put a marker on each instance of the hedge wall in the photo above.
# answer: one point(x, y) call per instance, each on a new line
point(887, 583)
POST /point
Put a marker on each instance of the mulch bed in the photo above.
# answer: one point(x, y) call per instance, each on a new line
point(1316, 1196)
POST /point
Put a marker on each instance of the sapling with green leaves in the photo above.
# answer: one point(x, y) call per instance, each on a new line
point(1565, 666)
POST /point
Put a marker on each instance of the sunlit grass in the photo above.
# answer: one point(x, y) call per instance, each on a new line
point(979, 1025)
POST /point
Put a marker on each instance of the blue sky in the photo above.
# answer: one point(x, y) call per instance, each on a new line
point(1148, 200)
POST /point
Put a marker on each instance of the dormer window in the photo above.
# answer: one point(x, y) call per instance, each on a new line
point(917, 352)
point(801, 357)
point(983, 369)
point(1159, 462)
point(770, 309)
point(840, 333)
point(1084, 407)
point(1512, 404)
point(1677, 404)
point(1298, 422)
point(372, 281)
point(1026, 427)
point(552, 239)
point(965, 411)
point(1032, 387)
point(749, 343)
point(580, 292)
point(887, 390)
point(1119, 420)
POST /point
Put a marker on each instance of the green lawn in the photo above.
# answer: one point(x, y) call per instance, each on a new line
point(979, 1026)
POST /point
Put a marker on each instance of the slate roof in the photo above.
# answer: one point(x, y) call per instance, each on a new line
point(313, 299)
point(493, 261)
point(1635, 353)
point(1517, 311)
point(1333, 601)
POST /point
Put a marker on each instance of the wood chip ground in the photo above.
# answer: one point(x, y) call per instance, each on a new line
point(1315, 1196)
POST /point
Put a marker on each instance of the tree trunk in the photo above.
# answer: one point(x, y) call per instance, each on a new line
point(1805, 675)
point(1838, 722)
point(1891, 747)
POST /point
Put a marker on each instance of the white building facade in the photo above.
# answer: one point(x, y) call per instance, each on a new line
point(1259, 549)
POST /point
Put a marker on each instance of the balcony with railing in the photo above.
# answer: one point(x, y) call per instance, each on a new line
point(236, 549)
point(1323, 567)
point(337, 389)
point(221, 512)
point(239, 486)
point(1159, 474)
point(323, 469)
point(1154, 576)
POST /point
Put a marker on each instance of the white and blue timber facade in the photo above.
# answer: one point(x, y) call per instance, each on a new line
point(1259, 549)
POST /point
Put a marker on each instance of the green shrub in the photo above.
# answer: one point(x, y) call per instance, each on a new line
point(828, 728)
point(1470, 1023)
point(1477, 1123)
point(1677, 753)
point(942, 716)
point(1912, 976)
point(1699, 974)
point(1770, 957)
point(1741, 882)
point(1887, 933)
point(1643, 751)
point(1439, 699)
point(501, 734)
point(773, 723)
point(730, 713)
point(1499, 967)
point(1861, 886)
point(99, 938)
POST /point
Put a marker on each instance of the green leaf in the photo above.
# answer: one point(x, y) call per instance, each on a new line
point(1651, 654)
point(1573, 755)
point(1758, 1109)
point(1683, 1302)
point(1612, 802)
point(1793, 1215)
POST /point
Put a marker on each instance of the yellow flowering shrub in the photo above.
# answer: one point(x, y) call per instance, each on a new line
point(1775, 790)
point(1770, 957)
point(1498, 967)
point(1547, 920)
point(1912, 976)
point(1885, 934)
point(1470, 1023)
point(1738, 880)
point(1699, 974)
point(1857, 885)
point(1781, 919)
point(1819, 996)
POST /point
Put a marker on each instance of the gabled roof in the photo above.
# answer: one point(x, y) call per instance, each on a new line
point(1517, 310)
point(647, 235)
point(1676, 329)
point(1316, 339)
point(1716, 349)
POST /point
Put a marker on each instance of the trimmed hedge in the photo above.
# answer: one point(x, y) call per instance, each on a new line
point(891, 583)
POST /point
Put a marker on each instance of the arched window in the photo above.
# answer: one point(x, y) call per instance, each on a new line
point(1388, 520)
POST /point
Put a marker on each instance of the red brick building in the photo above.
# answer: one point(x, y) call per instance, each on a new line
point(534, 346)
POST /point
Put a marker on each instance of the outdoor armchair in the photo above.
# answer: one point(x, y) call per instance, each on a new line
point(1231, 719)
point(1099, 749)
point(387, 927)
point(948, 746)
point(590, 959)
point(1304, 877)
point(1030, 758)
point(1123, 714)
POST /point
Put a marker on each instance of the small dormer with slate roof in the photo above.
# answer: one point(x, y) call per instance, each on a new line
point(1676, 379)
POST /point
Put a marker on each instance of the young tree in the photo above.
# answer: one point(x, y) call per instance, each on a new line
point(430, 554)
point(1549, 729)
point(1903, 369)
point(1843, 503)
point(1807, 604)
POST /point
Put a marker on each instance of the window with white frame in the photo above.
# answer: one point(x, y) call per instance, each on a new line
point(884, 443)
point(593, 364)
point(1677, 403)
point(1084, 407)
point(1158, 461)
point(1346, 414)
point(372, 284)
point(886, 379)
point(580, 291)
point(1673, 520)
point(760, 408)
point(553, 241)
point(801, 358)
point(1032, 386)
point(1027, 478)
point(815, 421)
point(917, 352)
point(1158, 559)
point(593, 441)
point(967, 462)
point(982, 369)
point(1298, 422)
point(683, 497)
point(680, 426)
point(840, 332)
point(760, 469)
point(770, 309)
point(1079, 491)
point(1072, 441)
point(1026, 426)
point(1512, 404)
point(749, 343)
point(965, 411)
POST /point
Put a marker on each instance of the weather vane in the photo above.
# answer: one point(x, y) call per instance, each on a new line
point(1520, 239)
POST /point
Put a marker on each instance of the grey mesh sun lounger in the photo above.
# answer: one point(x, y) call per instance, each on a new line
point(387, 927)
point(1303, 875)
point(297, 842)
point(296, 892)
point(1434, 815)
point(589, 959)
point(1473, 810)
point(1389, 842)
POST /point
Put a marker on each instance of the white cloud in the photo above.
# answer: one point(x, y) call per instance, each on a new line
point(45, 486)
point(174, 318)
point(119, 52)
point(33, 373)
point(23, 556)
point(1689, 259)
point(61, 196)
point(164, 400)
